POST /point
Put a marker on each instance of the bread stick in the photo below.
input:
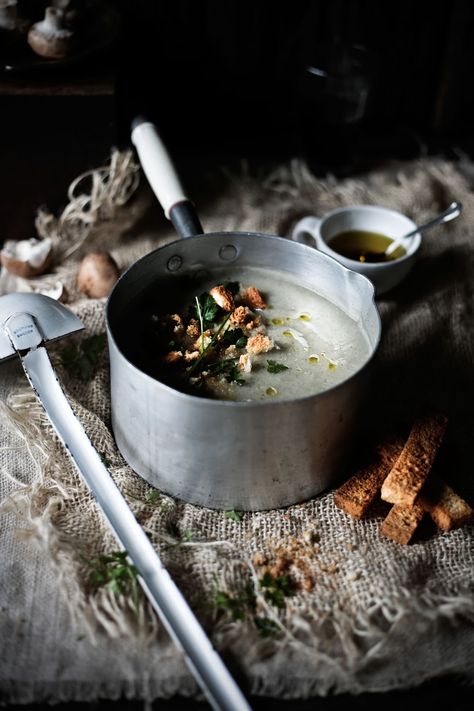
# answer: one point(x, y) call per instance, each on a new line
point(401, 522)
point(356, 495)
point(412, 467)
point(447, 509)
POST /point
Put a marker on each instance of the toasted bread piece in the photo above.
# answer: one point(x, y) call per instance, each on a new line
point(356, 495)
point(223, 297)
point(253, 298)
point(447, 509)
point(259, 344)
point(401, 522)
point(412, 467)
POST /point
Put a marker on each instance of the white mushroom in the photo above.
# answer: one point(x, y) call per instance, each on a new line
point(51, 38)
point(97, 274)
point(26, 258)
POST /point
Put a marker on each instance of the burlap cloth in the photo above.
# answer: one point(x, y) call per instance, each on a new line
point(380, 616)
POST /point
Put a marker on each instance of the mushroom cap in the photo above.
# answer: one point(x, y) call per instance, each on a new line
point(97, 274)
point(26, 258)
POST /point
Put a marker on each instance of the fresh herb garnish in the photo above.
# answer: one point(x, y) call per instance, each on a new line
point(235, 337)
point(81, 360)
point(234, 515)
point(206, 309)
point(181, 537)
point(210, 345)
point(243, 605)
point(228, 367)
point(153, 497)
point(265, 626)
point(275, 589)
point(117, 573)
point(104, 459)
point(274, 367)
point(238, 604)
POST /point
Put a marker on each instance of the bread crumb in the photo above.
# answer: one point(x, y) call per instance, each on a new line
point(259, 343)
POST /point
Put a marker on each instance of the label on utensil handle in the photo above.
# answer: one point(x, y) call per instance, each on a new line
point(23, 332)
point(157, 166)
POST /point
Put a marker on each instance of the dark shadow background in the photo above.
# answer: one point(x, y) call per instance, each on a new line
point(344, 84)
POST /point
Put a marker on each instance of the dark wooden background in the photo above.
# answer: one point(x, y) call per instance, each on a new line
point(227, 79)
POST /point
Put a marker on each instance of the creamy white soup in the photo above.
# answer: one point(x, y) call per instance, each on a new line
point(259, 336)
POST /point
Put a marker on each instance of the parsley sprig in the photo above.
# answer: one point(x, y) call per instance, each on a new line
point(274, 367)
point(211, 344)
point(116, 572)
point(81, 360)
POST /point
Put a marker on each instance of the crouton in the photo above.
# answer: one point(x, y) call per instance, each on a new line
point(259, 343)
point(223, 297)
point(172, 357)
point(240, 315)
point(190, 356)
point(203, 341)
point(245, 363)
point(253, 298)
point(193, 328)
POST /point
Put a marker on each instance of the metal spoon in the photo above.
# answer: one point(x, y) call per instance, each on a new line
point(454, 210)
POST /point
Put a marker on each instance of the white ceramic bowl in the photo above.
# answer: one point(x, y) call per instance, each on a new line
point(318, 232)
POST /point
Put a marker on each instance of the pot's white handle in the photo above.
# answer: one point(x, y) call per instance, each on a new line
point(306, 231)
point(159, 170)
point(157, 165)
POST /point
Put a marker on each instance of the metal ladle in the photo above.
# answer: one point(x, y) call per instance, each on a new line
point(27, 323)
point(454, 210)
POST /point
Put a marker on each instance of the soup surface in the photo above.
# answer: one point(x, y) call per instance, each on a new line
point(257, 337)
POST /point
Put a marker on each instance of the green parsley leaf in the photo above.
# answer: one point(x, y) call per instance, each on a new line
point(266, 627)
point(81, 360)
point(233, 376)
point(117, 573)
point(238, 604)
point(153, 497)
point(206, 309)
point(105, 460)
point(276, 589)
point(274, 367)
point(233, 515)
point(234, 337)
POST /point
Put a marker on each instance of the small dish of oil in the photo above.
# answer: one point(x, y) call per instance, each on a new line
point(365, 247)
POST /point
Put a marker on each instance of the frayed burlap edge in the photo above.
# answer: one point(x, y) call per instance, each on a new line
point(357, 640)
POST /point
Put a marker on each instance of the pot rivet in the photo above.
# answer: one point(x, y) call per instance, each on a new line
point(174, 263)
point(228, 252)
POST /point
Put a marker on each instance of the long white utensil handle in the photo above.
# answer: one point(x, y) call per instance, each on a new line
point(204, 662)
point(157, 165)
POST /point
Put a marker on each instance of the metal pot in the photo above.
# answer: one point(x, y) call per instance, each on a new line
point(221, 454)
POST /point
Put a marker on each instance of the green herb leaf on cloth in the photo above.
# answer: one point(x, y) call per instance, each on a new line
point(81, 360)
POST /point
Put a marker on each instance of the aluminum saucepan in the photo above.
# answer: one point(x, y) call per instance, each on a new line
point(222, 454)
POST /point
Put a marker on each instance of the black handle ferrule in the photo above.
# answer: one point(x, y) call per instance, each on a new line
point(185, 220)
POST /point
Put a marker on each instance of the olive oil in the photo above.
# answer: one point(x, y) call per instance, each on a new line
point(363, 246)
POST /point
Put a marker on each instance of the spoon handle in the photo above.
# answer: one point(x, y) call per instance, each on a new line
point(449, 214)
